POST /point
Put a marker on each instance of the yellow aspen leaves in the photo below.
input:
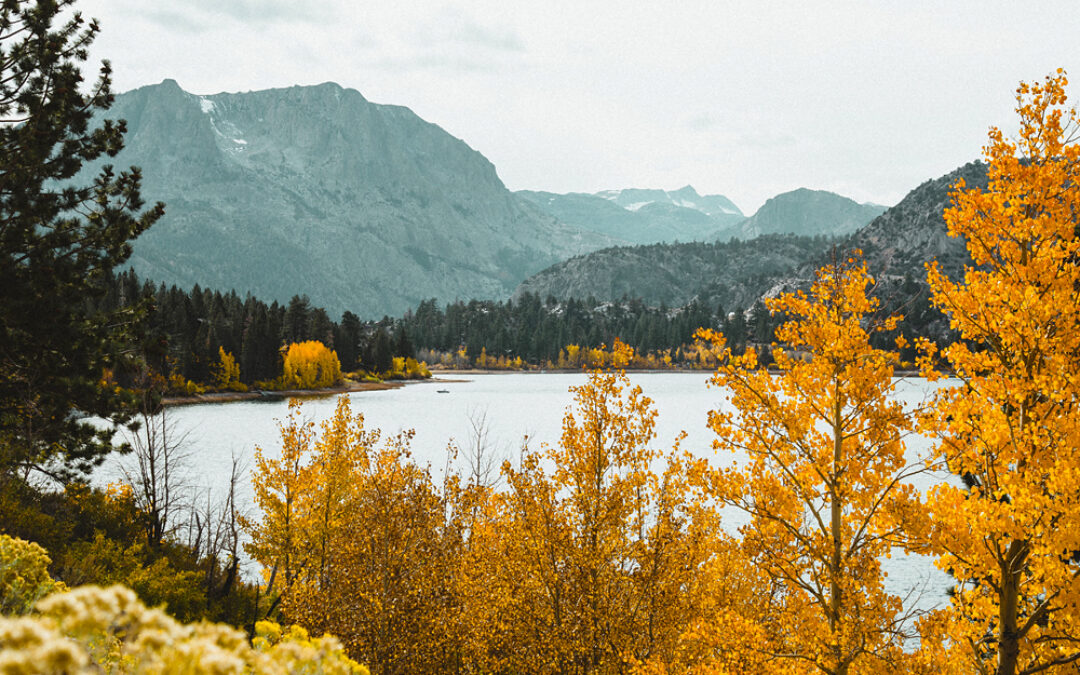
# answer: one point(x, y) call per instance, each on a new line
point(357, 532)
point(598, 540)
point(281, 489)
point(310, 365)
point(820, 476)
point(1011, 427)
point(227, 372)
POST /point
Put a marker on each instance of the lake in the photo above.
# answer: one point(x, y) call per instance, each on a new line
point(513, 406)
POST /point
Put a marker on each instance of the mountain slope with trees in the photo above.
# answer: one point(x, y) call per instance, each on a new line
point(900, 241)
point(732, 273)
point(896, 245)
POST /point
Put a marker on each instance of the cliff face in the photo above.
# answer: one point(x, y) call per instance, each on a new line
point(315, 190)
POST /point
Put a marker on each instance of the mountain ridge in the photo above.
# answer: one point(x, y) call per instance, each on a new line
point(642, 216)
point(315, 190)
point(896, 245)
point(807, 212)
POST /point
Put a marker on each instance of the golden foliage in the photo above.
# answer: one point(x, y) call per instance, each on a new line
point(585, 563)
point(821, 477)
point(357, 531)
point(24, 575)
point(226, 372)
point(310, 365)
point(601, 553)
point(1011, 428)
point(407, 368)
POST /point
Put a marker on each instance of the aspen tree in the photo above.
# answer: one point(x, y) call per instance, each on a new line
point(598, 540)
point(1011, 427)
point(823, 481)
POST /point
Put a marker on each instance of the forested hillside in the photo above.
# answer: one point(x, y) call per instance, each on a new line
point(186, 332)
point(733, 273)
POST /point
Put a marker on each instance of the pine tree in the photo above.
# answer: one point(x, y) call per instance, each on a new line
point(58, 242)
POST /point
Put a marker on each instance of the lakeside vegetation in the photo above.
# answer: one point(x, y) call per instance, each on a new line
point(205, 340)
point(599, 554)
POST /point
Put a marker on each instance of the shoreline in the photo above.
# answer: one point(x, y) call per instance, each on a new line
point(629, 371)
point(267, 395)
point(445, 376)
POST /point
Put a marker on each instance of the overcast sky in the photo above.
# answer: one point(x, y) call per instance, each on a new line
point(746, 99)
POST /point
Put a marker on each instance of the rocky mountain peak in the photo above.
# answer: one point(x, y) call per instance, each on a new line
point(315, 190)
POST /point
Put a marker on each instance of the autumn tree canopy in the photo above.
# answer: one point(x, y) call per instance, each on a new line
point(357, 536)
point(598, 538)
point(310, 365)
point(821, 476)
point(1011, 427)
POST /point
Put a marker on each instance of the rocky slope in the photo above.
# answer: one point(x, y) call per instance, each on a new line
point(315, 190)
point(896, 244)
point(732, 274)
point(906, 236)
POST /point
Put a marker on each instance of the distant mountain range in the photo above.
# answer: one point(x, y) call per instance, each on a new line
point(315, 190)
point(896, 245)
point(635, 199)
point(642, 216)
point(807, 213)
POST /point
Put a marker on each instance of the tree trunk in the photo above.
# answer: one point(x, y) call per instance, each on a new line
point(836, 530)
point(1008, 609)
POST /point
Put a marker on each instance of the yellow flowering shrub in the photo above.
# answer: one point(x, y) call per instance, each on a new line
point(92, 629)
point(24, 576)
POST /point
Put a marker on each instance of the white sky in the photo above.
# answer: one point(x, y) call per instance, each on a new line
point(746, 99)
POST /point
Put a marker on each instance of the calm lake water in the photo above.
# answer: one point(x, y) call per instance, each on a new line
point(514, 406)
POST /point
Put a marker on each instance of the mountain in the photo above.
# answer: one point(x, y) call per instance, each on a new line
point(896, 245)
point(807, 213)
point(734, 273)
point(642, 216)
point(900, 241)
point(633, 199)
point(317, 191)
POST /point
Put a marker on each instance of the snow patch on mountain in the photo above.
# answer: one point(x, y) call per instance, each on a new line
point(634, 199)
